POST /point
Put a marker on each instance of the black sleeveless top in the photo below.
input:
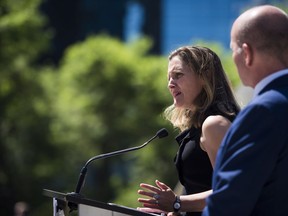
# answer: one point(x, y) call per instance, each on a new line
point(193, 164)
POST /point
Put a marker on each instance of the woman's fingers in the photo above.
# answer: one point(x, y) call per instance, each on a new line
point(149, 210)
point(162, 185)
point(146, 193)
point(148, 201)
point(150, 187)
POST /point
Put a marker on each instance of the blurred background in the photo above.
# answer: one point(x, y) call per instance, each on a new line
point(86, 77)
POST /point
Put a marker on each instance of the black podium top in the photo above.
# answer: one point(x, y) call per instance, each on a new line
point(71, 198)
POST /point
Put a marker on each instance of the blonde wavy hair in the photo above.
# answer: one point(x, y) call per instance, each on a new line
point(216, 92)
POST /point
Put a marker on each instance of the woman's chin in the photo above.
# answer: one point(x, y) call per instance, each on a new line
point(178, 105)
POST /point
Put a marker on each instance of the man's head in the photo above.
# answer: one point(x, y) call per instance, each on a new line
point(259, 41)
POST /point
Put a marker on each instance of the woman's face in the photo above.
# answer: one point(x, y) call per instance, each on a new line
point(183, 83)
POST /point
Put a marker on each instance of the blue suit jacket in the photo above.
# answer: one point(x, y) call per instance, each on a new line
point(251, 171)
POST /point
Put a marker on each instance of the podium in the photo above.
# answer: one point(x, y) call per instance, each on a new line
point(63, 204)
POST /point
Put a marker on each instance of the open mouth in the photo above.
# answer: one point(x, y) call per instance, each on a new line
point(175, 94)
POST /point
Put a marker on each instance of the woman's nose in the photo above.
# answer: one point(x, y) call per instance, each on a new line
point(171, 83)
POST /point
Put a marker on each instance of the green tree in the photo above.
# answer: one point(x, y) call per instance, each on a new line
point(23, 131)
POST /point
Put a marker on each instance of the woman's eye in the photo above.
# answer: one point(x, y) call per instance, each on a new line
point(175, 76)
point(178, 75)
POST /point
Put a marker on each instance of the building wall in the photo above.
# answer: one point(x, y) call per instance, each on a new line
point(186, 21)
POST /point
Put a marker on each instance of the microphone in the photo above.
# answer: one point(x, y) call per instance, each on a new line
point(160, 134)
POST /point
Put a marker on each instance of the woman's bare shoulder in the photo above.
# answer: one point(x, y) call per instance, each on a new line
point(214, 123)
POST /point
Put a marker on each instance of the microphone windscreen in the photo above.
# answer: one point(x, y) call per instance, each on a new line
point(162, 133)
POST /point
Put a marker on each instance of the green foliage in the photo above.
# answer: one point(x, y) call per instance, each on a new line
point(20, 28)
point(23, 131)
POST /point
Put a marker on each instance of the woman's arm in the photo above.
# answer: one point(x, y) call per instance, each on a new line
point(166, 198)
point(214, 129)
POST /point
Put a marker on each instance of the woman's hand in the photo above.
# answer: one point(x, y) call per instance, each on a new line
point(160, 196)
point(173, 214)
point(151, 210)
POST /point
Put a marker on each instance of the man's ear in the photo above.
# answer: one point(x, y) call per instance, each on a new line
point(248, 54)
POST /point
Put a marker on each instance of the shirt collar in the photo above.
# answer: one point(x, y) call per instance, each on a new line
point(267, 80)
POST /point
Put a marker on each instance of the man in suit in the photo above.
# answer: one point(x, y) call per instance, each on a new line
point(251, 171)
